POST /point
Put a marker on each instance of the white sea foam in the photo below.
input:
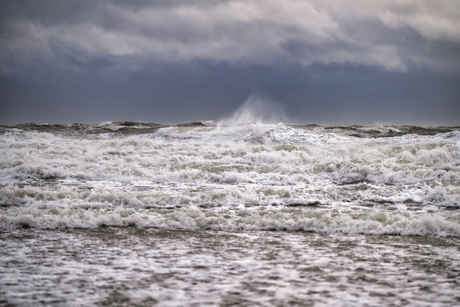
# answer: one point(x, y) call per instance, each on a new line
point(287, 219)
point(415, 178)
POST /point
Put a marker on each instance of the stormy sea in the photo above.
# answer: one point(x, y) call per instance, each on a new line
point(230, 213)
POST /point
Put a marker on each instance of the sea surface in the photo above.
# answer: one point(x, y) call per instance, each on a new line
point(230, 213)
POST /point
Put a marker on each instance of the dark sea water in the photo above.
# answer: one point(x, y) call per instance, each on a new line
point(230, 213)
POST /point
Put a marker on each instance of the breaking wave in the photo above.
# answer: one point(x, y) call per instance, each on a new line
point(248, 172)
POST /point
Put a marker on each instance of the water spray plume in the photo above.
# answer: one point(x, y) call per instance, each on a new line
point(256, 110)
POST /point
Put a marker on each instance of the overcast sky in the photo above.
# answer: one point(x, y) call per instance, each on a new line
point(327, 62)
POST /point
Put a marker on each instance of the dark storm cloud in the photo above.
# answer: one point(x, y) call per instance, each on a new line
point(337, 61)
point(296, 32)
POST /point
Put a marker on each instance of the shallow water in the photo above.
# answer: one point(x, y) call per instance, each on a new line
point(144, 267)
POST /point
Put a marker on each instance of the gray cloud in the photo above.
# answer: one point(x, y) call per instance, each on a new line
point(393, 35)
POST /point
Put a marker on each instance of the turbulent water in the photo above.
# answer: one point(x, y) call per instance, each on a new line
point(287, 185)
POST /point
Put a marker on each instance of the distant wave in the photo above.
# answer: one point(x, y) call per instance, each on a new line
point(136, 128)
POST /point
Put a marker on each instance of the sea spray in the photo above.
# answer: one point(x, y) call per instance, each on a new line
point(255, 110)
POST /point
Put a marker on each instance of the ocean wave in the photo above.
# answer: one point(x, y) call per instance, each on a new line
point(239, 124)
point(412, 176)
point(285, 219)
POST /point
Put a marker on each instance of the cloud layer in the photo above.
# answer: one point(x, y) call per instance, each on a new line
point(393, 35)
